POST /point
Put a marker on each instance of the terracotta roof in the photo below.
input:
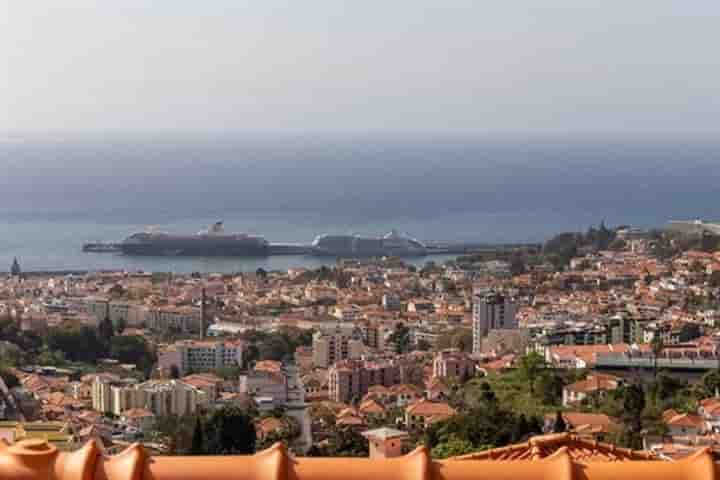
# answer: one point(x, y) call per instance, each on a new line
point(592, 384)
point(371, 406)
point(579, 449)
point(138, 413)
point(711, 405)
point(578, 420)
point(426, 408)
point(405, 389)
point(676, 419)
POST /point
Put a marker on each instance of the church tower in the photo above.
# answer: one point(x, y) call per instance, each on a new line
point(15, 268)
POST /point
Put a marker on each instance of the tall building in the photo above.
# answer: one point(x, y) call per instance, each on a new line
point(340, 342)
point(492, 311)
point(195, 356)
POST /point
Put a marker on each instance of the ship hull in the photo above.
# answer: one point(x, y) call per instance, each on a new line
point(195, 247)
point(349, 253)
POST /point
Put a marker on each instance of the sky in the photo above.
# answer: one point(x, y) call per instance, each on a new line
point(475, 66)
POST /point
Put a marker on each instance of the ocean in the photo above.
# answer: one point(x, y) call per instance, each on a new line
point(57, 192)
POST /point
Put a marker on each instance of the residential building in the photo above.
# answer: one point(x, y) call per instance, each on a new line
point(201, 356)
point(492, 311)
point(453, 364)
point(183, 319)
point(352, 379)
point(596, 384)
point(683, 424)
point(425, 412)
point(341, 342)
point(391, 302)
point(161, 397)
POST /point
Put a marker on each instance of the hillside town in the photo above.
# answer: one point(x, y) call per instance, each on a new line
point(608, 336)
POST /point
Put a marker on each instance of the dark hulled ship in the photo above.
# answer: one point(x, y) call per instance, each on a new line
point(207, 243)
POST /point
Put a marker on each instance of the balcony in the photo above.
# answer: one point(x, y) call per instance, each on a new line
point(36, 460)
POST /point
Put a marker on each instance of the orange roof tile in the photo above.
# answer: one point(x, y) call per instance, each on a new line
point(426, 408)
point(543, 446)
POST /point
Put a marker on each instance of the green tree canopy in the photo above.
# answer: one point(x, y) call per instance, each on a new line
point(230, 431)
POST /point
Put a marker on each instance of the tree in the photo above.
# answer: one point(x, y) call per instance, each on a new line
point(121, 326)
point(401, 338)
point(522, 429)
point(11, 381)
point(177, 431)
point(453, 447)
point(77, 344)
point(657, 346)
point(487, 396)
point(711, 381)
point(530, 367)
point(550, 386)
point(559, 425)
point(633, 406)
point(230, 431)
point(198, 439)
point(347, 442)
point(132, 349)
point(106, 331)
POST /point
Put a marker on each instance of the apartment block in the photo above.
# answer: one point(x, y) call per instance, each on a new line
point(201, 356)
point(492, 311)
point(352, 378)
point(340, 342)
point(453, 364)
point(161, 397)
point(183, 319)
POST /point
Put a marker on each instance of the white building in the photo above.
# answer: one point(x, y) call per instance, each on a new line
point(132, 314)
point(195, 356)
point(161, 397)
point(184, 319)
point(340, 342)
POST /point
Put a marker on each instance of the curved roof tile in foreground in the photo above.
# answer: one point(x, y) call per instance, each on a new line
point(36, 460)
point(579, 449)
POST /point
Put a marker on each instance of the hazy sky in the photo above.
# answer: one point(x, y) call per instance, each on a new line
point(324, 65)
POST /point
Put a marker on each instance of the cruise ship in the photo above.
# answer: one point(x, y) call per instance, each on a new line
point(211, 242)
point(393, 244)
point(696, 226)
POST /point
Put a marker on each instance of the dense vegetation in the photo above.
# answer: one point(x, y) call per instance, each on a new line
point(279, 345)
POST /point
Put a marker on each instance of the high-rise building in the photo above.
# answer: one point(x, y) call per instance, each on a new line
point(492, 311)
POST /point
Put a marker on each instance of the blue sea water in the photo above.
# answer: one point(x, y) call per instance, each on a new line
point(58, 192)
